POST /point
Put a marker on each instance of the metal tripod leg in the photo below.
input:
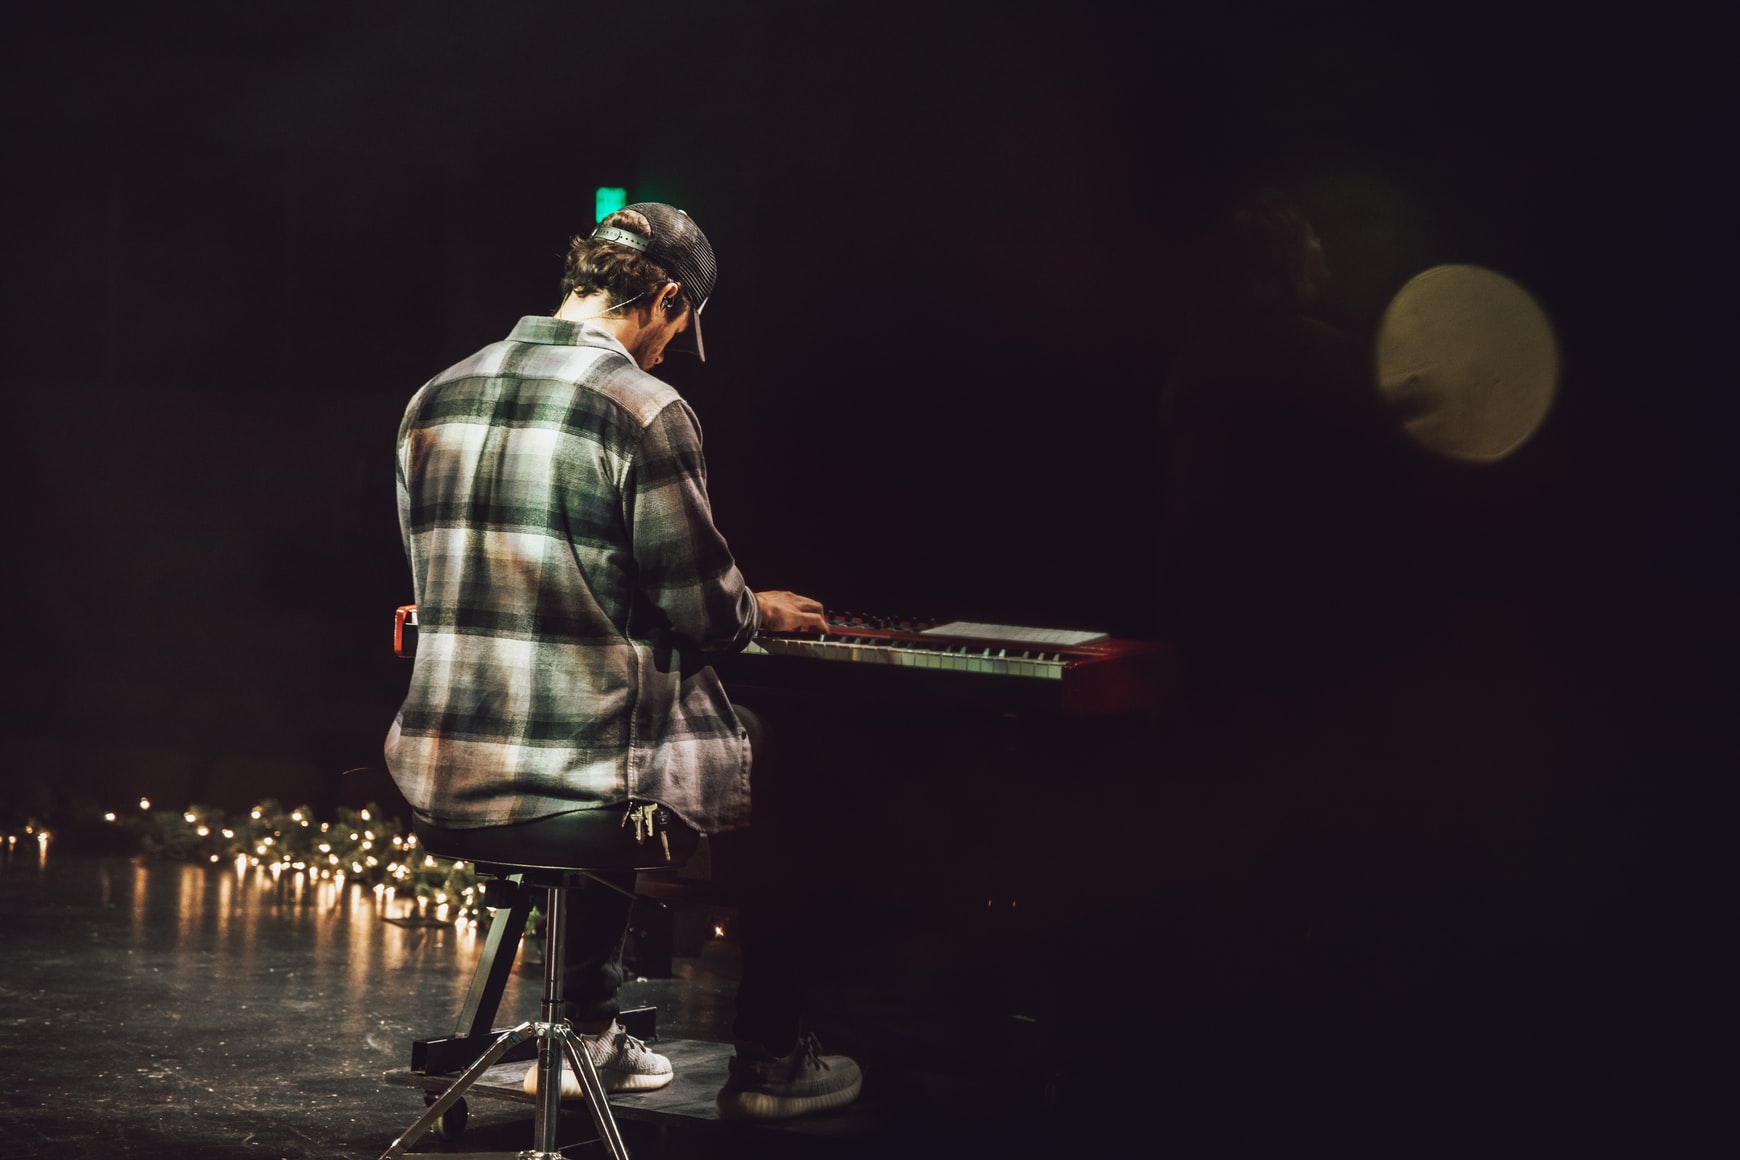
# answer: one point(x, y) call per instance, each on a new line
point(596, 1100)
point(457, 1088)
point(556, 1039)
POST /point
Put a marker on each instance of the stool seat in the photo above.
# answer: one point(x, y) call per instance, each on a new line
point(605, 838)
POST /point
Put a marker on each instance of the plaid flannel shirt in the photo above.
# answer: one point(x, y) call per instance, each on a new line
point(569, 585)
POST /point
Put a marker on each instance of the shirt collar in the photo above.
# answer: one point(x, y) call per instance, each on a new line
point(549, 331)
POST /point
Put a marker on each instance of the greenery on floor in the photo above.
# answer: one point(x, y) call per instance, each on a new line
point(356, 846)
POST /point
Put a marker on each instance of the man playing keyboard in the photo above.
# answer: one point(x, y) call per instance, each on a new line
point(571, 587)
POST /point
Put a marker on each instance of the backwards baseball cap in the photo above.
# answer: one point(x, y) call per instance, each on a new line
point(678, 245)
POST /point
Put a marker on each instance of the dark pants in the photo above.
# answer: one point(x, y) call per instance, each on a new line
point(783, 928)
point(596, 934)
point(771, 880)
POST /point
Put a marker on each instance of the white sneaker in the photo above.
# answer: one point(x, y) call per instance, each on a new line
point(624, 1064)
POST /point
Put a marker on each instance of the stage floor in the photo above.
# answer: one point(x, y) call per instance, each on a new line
point(1416, 999)
point(156, 1009)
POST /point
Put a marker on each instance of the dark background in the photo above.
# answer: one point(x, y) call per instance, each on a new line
point(955, 250)
point(955, 246)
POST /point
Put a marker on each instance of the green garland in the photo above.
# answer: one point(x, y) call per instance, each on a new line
point(357, 847)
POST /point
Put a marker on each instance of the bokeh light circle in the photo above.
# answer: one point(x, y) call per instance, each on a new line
point(1469, 361)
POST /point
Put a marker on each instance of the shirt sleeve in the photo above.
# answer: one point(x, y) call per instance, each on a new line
point(402, 488)
point(685, 568)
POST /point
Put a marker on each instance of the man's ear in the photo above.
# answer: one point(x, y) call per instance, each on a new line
point(668, 297)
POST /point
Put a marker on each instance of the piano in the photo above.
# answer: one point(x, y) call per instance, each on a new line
point(878, 658)
point(1019, 667)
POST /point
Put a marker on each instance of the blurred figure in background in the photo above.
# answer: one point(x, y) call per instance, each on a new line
point(1283, 542)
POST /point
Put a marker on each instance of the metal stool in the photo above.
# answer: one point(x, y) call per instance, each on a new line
point(556, 855)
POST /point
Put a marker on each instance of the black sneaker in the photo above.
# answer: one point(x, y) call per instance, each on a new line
point(763, 1086)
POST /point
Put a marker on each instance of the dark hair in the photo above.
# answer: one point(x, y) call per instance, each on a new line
point(1265, 255)
point(621, 273)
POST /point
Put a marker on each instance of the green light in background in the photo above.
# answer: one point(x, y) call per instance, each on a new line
point(607, 200)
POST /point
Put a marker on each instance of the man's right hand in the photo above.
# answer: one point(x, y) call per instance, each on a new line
point(783, 611)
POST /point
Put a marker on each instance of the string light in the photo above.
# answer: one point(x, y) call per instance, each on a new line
point(334, 853)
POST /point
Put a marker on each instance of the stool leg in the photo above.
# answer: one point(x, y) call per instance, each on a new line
point(562, 1039)
point(457, 1088)
point(596, 1099)
point(549, 1063)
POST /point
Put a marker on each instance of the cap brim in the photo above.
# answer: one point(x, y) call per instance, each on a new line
point(690, 339)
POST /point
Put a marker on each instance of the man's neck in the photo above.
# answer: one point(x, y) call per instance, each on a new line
point(627, 323)
point(597, 308)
